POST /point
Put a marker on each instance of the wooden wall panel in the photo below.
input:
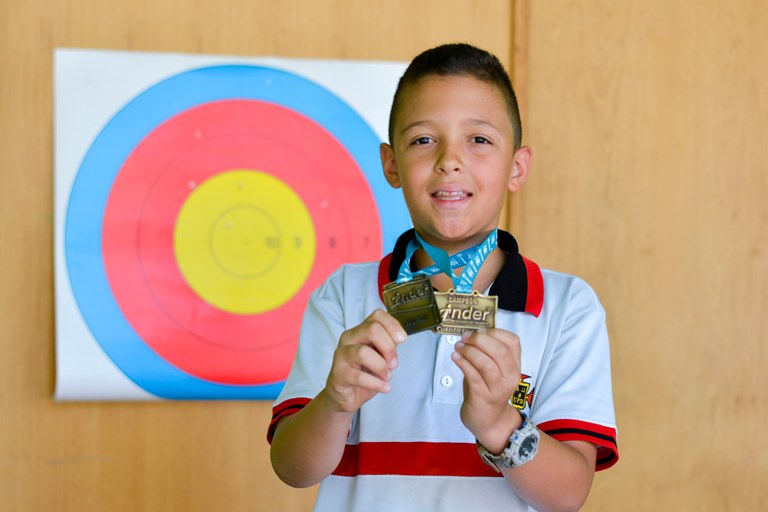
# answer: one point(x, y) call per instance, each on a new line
point(192, 456)
point(648, 126)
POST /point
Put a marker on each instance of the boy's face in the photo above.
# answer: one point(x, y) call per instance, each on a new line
point(454, 158)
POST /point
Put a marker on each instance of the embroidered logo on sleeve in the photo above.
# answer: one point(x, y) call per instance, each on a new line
point(524, 394)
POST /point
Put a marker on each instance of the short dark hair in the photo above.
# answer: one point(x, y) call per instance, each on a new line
point(459, 59)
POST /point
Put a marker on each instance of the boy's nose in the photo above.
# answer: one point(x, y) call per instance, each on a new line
point(449, 160)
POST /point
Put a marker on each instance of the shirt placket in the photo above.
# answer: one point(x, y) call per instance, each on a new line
point(447, 381)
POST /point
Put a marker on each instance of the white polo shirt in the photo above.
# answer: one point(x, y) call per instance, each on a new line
point(408, 450)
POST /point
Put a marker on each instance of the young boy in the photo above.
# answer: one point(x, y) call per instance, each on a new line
point(510, 414)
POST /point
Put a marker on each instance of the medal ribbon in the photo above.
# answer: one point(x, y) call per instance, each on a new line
point(405, 274)
point(471, 259)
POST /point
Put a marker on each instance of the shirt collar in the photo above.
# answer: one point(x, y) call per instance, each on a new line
point(519, 285)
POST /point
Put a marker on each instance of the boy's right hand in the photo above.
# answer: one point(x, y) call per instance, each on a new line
point(363, 361)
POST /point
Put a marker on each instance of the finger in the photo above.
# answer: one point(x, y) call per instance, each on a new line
point(390, 324)
point(472, 376)
point(348, 376)
point(489, 375)
point(382, 342)
point(494, 339)
point(366, 380)
point(367, 358)
point(503, 347)
point(379, 332)
point(384, 333)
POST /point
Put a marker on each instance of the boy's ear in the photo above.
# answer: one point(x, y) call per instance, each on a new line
point(389, 165)
point(521, 167)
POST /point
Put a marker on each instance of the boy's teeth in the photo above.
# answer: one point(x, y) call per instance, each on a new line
point(453, 195)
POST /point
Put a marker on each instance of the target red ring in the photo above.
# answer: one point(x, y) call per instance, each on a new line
point(145, 201)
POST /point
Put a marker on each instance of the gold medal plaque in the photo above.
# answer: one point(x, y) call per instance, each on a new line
point(460, 312)
point(412, 304)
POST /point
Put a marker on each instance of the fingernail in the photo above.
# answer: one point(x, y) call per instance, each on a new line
point(393, 363)
point(458, 345)
point(389, 375)
point(400, 337)
point(466, 335)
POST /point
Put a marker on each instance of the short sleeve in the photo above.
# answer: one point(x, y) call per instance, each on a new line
point(574, 399)
point(321, 328)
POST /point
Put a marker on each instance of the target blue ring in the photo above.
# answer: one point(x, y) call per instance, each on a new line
point(104, 159)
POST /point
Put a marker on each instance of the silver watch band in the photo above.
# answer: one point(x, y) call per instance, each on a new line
point(521, 447)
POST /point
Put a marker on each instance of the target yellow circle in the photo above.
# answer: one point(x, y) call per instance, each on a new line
point(244, 241)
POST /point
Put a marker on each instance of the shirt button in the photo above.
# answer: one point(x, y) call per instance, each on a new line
point(446, 381)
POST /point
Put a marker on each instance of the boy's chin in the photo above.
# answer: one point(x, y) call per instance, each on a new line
point(456, 237)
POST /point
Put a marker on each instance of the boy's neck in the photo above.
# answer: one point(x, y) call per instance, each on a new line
point(485, 277)
point(455, 247)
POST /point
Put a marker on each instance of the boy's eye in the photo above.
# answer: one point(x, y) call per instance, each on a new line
point(479, 139)
point(422, 140)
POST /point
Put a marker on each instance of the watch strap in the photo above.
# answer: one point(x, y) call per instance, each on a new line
point(520, 448)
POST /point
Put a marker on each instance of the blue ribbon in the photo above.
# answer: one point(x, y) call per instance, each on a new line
point(471, 259)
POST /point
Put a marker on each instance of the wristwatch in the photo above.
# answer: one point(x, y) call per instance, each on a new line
point(521, 447)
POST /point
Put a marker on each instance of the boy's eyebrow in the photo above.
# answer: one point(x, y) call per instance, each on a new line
point(481, 122)
point(413, 125)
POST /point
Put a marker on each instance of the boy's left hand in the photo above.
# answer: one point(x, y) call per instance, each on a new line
point(490, 362)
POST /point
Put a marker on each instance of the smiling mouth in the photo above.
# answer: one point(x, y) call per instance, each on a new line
point(445, 195)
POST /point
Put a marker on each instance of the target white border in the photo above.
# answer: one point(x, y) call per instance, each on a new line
point(91, 86)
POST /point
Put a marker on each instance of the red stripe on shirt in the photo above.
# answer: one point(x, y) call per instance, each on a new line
point(413, 459)
point(534, 301)
point(282, 410)
point(573, 430)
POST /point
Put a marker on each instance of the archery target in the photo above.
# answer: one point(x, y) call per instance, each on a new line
point(204, 214)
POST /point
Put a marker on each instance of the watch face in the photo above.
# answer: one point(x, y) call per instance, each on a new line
point(527, 447)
